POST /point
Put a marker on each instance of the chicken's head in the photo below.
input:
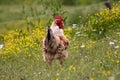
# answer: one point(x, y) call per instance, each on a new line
point(59, 21)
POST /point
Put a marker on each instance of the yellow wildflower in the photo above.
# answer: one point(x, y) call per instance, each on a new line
point(72, 68)
point(91, 78)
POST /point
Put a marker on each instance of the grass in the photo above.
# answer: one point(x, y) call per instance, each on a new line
point(89, 59)
point(97, 60)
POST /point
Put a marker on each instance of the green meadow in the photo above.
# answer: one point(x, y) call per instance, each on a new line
point(92, 29)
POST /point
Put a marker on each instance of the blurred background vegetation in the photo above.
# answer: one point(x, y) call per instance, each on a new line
point(65, 2)
point(13, 14)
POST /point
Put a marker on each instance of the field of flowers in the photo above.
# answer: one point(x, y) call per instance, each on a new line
point(94, 51)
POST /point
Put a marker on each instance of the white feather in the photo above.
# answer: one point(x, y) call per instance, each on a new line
point(57, 31)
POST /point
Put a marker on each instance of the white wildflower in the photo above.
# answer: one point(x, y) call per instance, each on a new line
point(77, 33)
point(100, 32)
point(116, 47)
point(1, 46)
point(111, 43)
point(39, 72)
point(115, 40)
point(74, 26)
point(82, 46)
point(48, 74)
point(86, 56)
point(112, 78)
point(93, 69)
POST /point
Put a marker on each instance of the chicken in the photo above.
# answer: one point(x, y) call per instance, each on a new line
point(54, 48)
point(57, 28)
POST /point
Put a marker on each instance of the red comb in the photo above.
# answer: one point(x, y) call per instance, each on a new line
point(58, 17)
